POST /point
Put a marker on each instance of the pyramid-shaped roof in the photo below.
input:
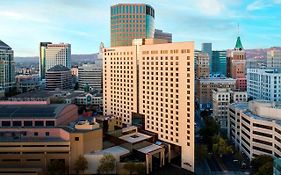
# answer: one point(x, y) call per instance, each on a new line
point(4, 45)
point(238, 45)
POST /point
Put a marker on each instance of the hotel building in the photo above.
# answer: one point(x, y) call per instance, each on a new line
point(153, 80)
point(91, 75)
point(264, 84)
point(255, 128)
point(130, 21)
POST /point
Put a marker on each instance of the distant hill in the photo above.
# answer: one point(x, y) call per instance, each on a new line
point(75, 58)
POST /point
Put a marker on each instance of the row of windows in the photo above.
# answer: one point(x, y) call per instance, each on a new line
point(27, 123)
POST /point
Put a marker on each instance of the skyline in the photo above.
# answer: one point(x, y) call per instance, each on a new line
point(87, 23)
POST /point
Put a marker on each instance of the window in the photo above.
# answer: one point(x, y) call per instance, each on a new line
point(35, 133)
point(76, 138)
point(27, 123)
point(47, 134)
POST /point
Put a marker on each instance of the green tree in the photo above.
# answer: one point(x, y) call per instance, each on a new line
point(56, 167)
point(266, 169)
point(81, 164)
point(76, 86)
point(202, 152)
point(261, 163)
point(137, 168)
point(220, 146)
point(107, 164)
point(210, 129)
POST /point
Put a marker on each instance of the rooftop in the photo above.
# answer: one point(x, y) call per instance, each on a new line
point(116, 150)
point(31, 111)
point(135, 137)
point(4, 46)
point(58, 68)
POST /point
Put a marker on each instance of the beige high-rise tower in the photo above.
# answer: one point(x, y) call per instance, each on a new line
point(155, 80)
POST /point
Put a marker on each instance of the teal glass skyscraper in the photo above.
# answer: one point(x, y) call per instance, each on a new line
point(131, 21)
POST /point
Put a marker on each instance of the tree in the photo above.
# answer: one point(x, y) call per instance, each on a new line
point(261, 163)
point(210, 129)
point(107, 164)
point(81, 164)
point(220, 146)
point(202, 152)
point(56, 167)
point(76, 86)
point(266, 169)
point(137, 168)
point(238, 156)
point(130, 166)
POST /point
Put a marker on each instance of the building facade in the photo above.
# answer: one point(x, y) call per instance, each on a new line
point(159, 34)
point(37, 134)
point(255, 128)
point(222, 98)
point(153, 80)
point(7, 67)
point(202, 65)
point(236, 65)
point(207, 48)
point(52, 55)
point(25, 83)
point(59, 77)
point(264, 84)
point(130, 21)
point(205, 86)
point(219, 62)
point(273, 58)
point(90, 75)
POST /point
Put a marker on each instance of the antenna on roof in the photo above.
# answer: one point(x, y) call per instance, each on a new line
point(238, 29)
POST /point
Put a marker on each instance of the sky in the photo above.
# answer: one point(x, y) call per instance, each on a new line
point(86, 23)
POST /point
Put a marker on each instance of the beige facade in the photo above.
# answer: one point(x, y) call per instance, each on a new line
point(222, 97)
point(273, 58)
point(255, 128)
point(205, 87)
point(154, 80)
point(64, 144)
point(202, 66)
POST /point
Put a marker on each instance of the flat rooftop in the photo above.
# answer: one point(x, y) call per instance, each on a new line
point(116, 150)
point(31, 111)
point(150, 148)
point(135, 137)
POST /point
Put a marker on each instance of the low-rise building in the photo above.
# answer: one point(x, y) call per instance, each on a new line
point(25, 83)
point(205, 87)
point(32, 136)
point(58, 77)
point(255, 128)
point(222, 97)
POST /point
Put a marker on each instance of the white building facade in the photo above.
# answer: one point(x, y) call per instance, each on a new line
point(255, 128)
point(264, 84)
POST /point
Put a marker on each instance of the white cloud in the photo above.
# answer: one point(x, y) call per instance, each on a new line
point(210, 7)
point(261, 4)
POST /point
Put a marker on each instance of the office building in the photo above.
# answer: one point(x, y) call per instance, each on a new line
point(222, 97)
point(255, 128)
point(159, 34)
point(153, 80)
point(205, 86)
point(273, 58)
point(130, 21)
point(90, 75)
point(25, 83)
point(52, 55)
point(7, 67)
point(236, 65)
point(264, 84)
point(202, 65)
point(33, 135)
point(219, 63)
point(207, 48)
point(59, 77)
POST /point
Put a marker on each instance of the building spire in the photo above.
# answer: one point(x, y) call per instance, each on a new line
point(238, 45)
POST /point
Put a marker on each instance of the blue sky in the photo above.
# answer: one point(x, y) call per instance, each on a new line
point(85, 23)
